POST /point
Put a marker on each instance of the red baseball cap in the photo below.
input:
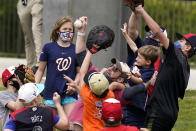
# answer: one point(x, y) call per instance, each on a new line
point(191, 38)
point(111, 110)
point(7, 74)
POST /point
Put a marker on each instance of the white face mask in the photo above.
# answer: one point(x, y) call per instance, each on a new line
point(66, 36)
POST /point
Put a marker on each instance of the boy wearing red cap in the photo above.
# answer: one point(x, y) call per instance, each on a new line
point(112, 116)
point(8, 97)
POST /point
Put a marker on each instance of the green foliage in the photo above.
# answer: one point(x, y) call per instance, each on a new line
point(187, 114)
point(10, 32)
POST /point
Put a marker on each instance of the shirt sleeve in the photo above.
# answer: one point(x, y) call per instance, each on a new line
point(10, 124)
point(44, 54)
point(56, 119)
point(5, 99)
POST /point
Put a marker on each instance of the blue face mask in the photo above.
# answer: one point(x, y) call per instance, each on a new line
point(66, 36)
point(177, 44)
point(150, 41)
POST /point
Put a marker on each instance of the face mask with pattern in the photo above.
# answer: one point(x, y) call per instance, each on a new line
point(66, 36)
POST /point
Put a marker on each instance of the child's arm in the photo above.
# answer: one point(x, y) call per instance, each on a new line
point(133, 78)
point(132, 44)
point(40, 71)
point(82, 73)
point(80, 41)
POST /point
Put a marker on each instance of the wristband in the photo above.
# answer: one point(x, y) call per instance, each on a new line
point(81, 34)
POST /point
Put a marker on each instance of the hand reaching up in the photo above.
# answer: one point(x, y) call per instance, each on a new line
point(84, 21)
point(56, 98)
point(124, 29)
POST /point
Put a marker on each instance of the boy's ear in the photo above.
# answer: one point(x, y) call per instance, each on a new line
point(188, 47)
point(148, 62)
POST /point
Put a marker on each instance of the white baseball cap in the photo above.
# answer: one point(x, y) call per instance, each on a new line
point(29, 91)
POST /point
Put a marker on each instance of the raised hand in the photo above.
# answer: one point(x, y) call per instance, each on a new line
point(124, 29)
point(84, 21)
point(56, 98)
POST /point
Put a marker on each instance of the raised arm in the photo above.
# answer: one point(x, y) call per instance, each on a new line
point(132, 44)
point(85, 65)
point(133, 26)
point(63, 123)
point(154, 27)
point(83, 71)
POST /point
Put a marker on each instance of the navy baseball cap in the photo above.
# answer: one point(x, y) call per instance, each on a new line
point(191, 38)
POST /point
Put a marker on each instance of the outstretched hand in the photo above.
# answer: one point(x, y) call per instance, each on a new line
point(72, 85)
point(124, 29)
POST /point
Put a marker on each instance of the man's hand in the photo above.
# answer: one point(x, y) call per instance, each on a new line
point(56, 98)
point(139, 9)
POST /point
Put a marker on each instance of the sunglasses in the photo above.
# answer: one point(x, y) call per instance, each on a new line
point(114, 68)
point(148, 34)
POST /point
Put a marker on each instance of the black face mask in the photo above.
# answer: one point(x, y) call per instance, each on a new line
point(15, 84)
point(150, 41)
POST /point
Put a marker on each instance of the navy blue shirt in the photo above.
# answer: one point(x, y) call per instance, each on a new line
point(60, 61)
point(32, 118)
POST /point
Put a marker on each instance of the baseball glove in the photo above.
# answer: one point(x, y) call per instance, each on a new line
point(25, 74)
point(134, 3)
point(99, 37)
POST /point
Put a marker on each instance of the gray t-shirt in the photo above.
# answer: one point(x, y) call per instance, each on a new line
point(5, 97)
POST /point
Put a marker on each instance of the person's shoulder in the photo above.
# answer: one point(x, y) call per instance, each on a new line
point(19, 111)
point(132, 128)
point(7, 93)
point(72, 46)
point(50, 44)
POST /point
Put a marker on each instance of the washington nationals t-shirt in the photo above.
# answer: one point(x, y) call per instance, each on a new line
point(60, 61)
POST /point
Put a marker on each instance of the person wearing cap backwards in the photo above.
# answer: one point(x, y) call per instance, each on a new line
point(112, 116)
point(172, 79)
point(94, 90)
point(34, 117)
point(8, 97)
